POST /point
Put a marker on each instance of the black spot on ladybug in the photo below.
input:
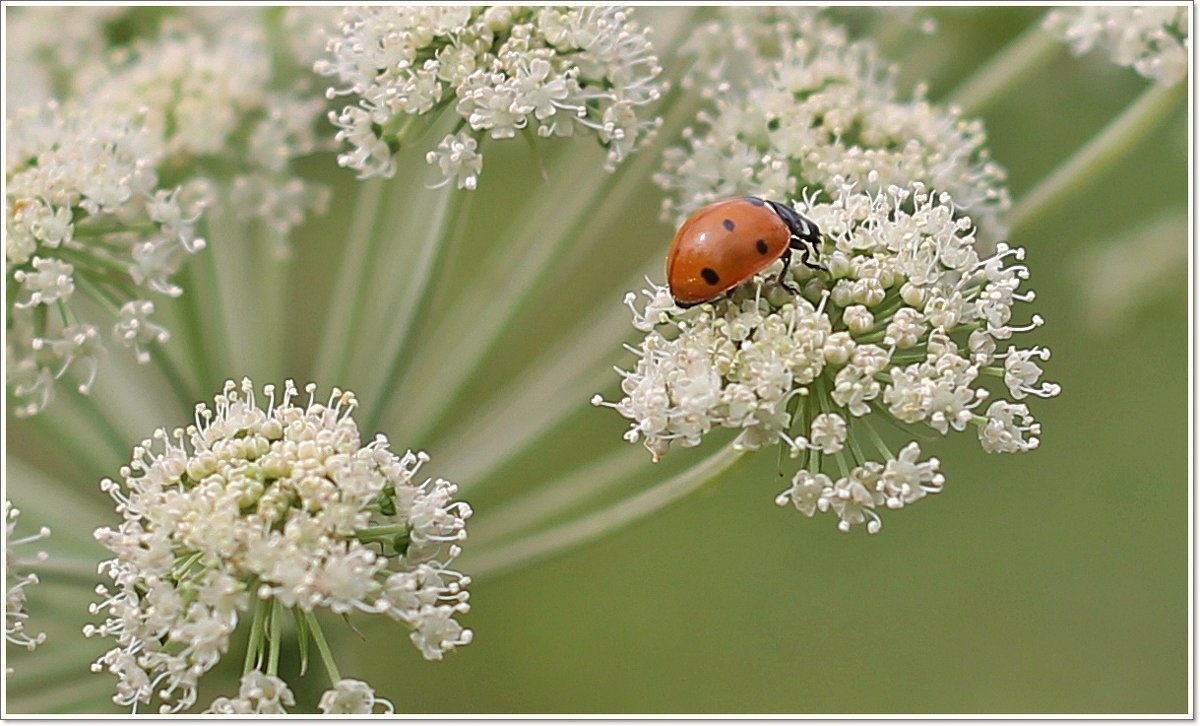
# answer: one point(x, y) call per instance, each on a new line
point(761, 246)
point(710, 275)
point(756, 201)
point(728, 224)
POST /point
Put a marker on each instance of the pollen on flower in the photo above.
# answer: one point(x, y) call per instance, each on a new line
point(278, 507)
point(551, 71)
point(1153, 40)
point(903, 326)
point(17, 580)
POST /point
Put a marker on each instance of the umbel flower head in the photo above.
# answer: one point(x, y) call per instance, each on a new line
point(817, 109)
point(909, 323)
point(270, 508)
point(17, 580)
point(106, 190)
point(555, 71)
point(1153, 40)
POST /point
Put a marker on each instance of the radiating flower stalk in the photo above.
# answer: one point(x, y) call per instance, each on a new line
point(154, 194)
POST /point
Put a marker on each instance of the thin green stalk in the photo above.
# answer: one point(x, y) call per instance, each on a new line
point(223, 295)
point(587, 482)
point(107, 429)
point(540, 230)
point(276, 636)
point(271, 269)
point(323, 648)
point(533, 548)
point(1015, 62)
point(193, 330)
point(339, 322)
point(186, 392)
point(535, 403)
point(254, 642)
point(412, 301)
point(1090, 163)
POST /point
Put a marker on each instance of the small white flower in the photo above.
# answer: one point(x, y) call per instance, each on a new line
point(352, 696)
point(1009, 428)
point(135, 329)
point(458, 160)
point(828, 433)
point(279, 507)
point(809, 493)
point(17, 580)
point(1153, 40)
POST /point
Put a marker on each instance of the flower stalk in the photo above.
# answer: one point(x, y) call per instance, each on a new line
point(1091, 161)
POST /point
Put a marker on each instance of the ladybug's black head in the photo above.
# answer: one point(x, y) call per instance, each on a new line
point(804, 230)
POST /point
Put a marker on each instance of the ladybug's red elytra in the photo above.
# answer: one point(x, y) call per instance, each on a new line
point(727, 243)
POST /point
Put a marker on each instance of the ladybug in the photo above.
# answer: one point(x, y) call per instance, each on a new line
point(726, 243)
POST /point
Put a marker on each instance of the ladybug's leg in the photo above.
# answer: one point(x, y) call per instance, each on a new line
point(805, 247)
point(783, 281)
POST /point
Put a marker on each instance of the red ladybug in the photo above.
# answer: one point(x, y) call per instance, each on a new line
point(727, 243)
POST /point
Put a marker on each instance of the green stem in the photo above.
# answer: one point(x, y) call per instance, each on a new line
point(339, 323)
point(1094, 159)
point(413, 300)
point(323, 647)
point(540, 231)
point(272, 265)
point(1015, 62)
point(586, 483)
point(185, 393)
point(381, 531)
point(193, 328)
point(532, 406)
point(538, 546)
point(254, 642)
point(276, 636)
point(208, 295)
point(108, 430)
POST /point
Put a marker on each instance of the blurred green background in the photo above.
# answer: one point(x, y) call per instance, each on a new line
point(1050, 582)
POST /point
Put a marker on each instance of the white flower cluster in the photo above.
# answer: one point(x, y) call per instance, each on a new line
point(906, 325)
point(1153, 40)
point(263, 694)
point(741, 43)
point(819, 108)
point(86, 214)
point(258, 693)
point(17, 580)
point(277, 506)
point(558, 71)
point(105, 190)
